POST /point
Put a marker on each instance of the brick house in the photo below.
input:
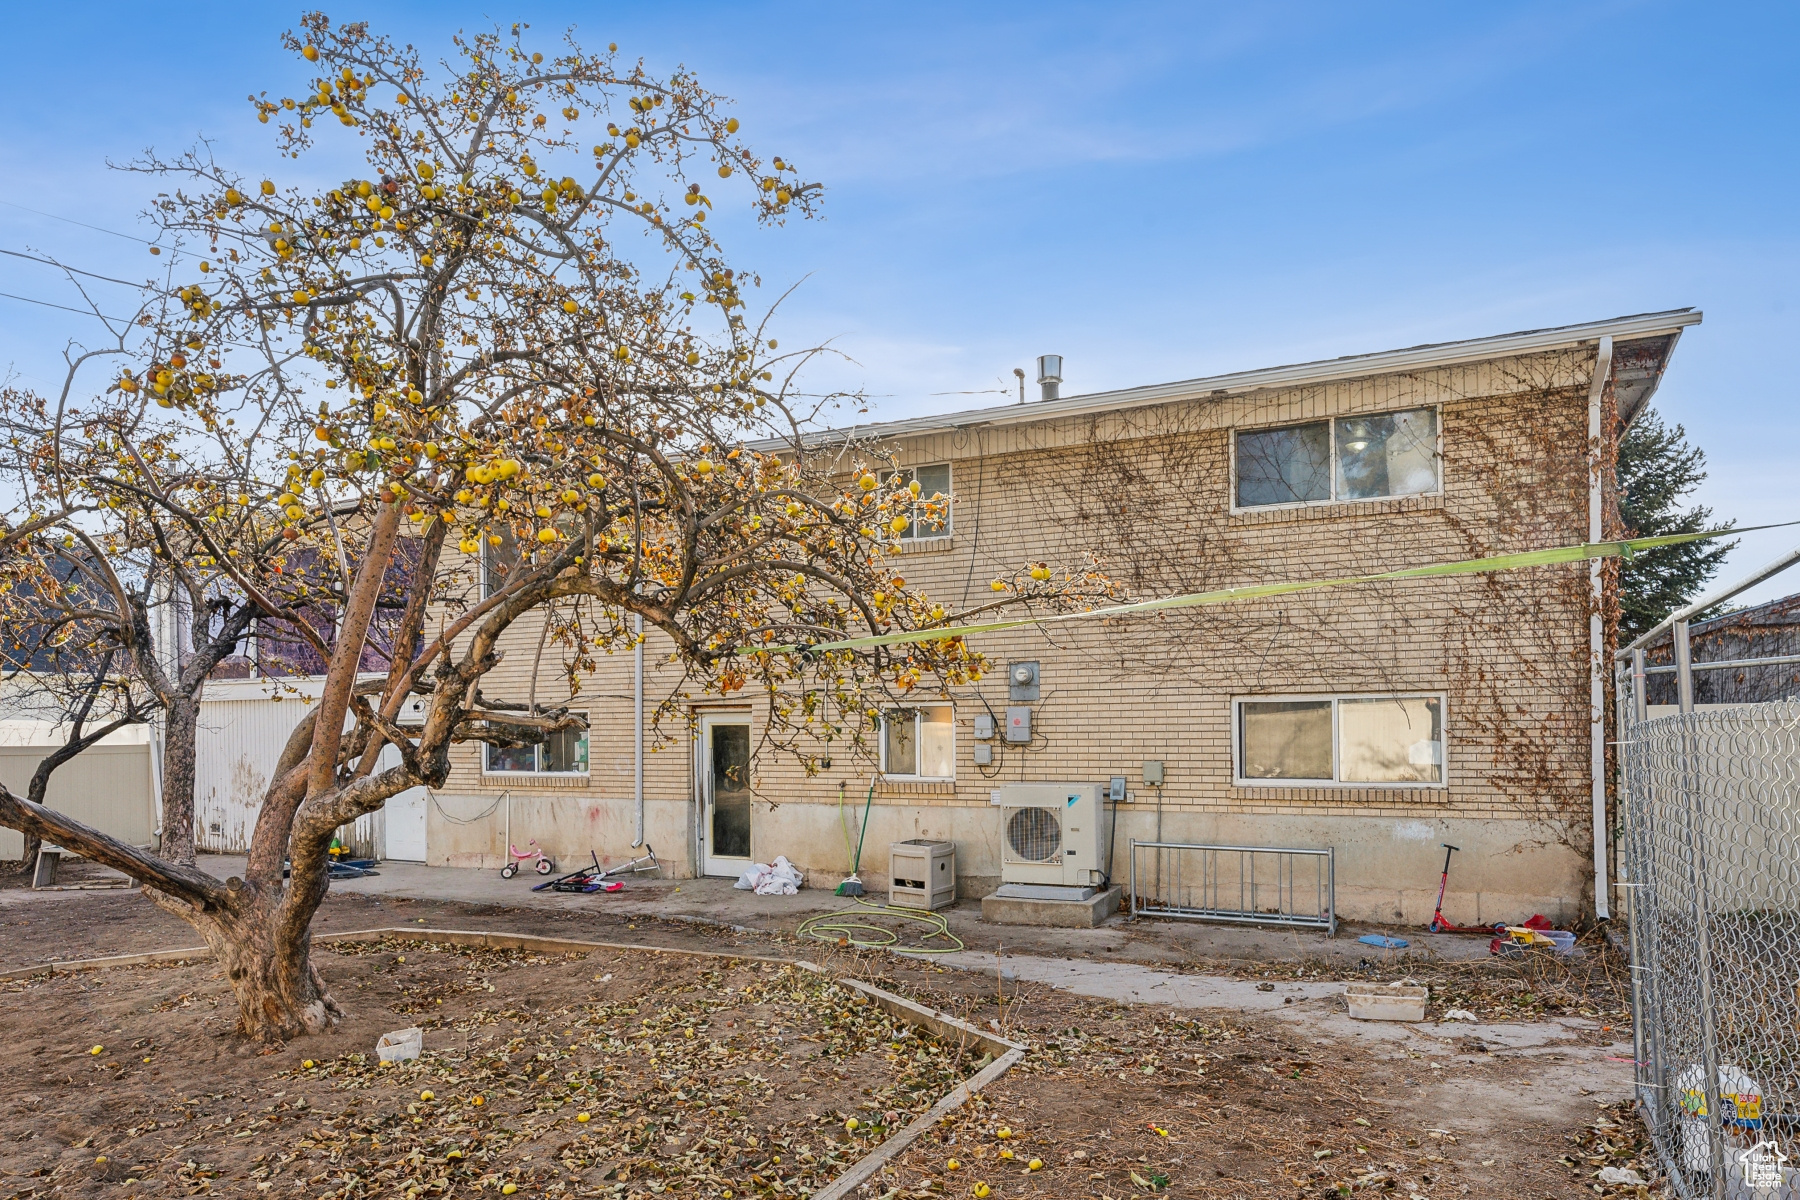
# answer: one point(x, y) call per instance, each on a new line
point(1379, 720)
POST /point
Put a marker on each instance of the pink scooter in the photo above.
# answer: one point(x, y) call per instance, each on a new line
point(545, 864)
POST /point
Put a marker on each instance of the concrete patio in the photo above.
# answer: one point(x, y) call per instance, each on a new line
point(715, 901)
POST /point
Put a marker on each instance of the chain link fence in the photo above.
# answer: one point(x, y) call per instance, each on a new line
point(1712, 857)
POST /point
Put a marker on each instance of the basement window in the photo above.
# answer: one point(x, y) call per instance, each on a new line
point(919, 743)
point(1350, 458)
point(934, 482)
point(565, 752)
point(1333, 740)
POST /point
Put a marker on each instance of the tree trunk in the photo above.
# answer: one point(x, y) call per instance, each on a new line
point(280, 994)
point(260, 934)
point(180, 723)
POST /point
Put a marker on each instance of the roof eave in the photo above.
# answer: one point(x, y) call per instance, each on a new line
point(1359, 366)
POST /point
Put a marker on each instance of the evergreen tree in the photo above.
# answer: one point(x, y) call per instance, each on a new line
point(1657, 468)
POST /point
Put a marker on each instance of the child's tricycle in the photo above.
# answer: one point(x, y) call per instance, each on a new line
point(544, 863)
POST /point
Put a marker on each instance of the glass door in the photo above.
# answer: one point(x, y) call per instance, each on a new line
point(725, 795)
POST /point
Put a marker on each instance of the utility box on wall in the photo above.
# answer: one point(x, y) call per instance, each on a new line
point(922, 873)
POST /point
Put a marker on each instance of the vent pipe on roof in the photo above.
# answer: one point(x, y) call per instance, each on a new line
point(1049, 375)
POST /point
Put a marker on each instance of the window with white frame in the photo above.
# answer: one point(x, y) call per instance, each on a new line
point(1349, 458)
point(919, 743)
point(1290, 740)
point(564, 752)
point(931, 510)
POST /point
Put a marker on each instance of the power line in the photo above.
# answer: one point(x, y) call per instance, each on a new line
point(71, 220)
point(51, 262)
point(86, 312)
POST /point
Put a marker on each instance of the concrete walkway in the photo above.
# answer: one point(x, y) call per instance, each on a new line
point(1131, 962)
point(715, 901)
point(1130, 983)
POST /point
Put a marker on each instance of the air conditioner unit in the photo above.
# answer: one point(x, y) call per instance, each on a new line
point(1051, 834)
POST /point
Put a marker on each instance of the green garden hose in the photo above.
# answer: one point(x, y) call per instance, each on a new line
point(845, 927)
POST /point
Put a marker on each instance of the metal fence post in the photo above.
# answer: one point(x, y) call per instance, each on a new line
point(1647, 1010)
point(1684, 668)
point(1331, 888)
point(1640, 700)
point(1636, 900)
point(1131, 848)
point(1700, 885)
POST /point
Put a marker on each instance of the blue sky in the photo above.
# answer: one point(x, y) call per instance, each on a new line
point(1154, 191)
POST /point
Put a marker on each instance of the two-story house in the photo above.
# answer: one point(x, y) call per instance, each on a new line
point(1378, 719)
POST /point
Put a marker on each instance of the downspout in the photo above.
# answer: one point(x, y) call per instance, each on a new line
point(1597, 626)
point(637, 699)
point(162, 637)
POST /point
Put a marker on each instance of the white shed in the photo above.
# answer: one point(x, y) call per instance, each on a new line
point(244, 723)
point(111, 785)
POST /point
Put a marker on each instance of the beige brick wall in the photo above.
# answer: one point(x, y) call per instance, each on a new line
point(1149, 491)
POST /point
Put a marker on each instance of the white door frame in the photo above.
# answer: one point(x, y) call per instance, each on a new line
point(710, 863)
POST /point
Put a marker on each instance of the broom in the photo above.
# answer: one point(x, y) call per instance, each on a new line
point(853, 886)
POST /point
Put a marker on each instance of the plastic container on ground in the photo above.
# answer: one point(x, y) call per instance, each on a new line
point(1386, 1001)
point(922, 873)
point(1565, 942)
point(1740, 1114)
point(400, 1045)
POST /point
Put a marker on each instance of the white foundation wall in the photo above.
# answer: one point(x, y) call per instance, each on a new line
point(1386, 869)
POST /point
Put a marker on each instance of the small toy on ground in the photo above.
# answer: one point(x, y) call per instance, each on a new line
point(585, 879)
point(1439, 922)
point(544, 864)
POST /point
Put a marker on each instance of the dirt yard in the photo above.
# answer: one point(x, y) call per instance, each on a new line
point(1113, 1100)
point(610, 1073)
point(1118, 1101)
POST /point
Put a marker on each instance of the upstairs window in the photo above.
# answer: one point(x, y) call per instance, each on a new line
point(1350, 458)
point(934, 482)
point(498, 563)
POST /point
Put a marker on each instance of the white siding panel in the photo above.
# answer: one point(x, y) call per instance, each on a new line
point(107, 786)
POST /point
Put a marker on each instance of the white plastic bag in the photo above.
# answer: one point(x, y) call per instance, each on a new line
point(780, 879)
point(784, 879)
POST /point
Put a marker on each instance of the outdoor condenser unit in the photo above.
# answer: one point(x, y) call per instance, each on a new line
point(1050, 834)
